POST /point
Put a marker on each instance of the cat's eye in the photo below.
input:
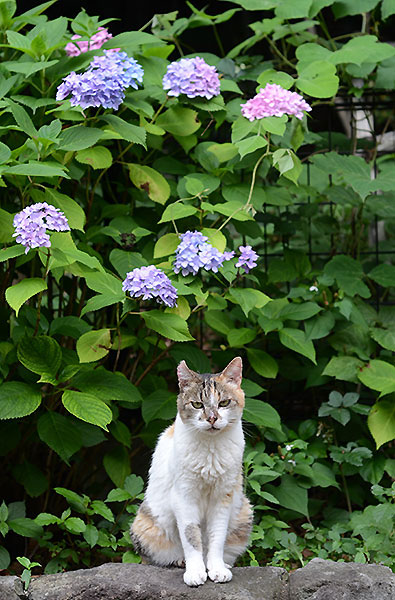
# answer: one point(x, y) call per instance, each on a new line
point(197, 404)
point(224, 403)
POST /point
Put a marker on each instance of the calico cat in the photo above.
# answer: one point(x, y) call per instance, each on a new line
point(195, 512)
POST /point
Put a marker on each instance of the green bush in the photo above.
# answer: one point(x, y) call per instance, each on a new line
point(88, 373)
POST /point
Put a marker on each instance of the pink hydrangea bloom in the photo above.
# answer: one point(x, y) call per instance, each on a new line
point(274, 101)
point(97, 40)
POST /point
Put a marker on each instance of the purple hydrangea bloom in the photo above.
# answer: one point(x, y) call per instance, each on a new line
point(150, 282)
point(274, 101)
point(32, 222)
point(247, 258)
point(192, 77)
point(104, 83)
point(96, 41)
point(195, 252)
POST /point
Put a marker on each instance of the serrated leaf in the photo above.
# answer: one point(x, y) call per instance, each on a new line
point(291, 495)
point(378, 375)
point(381, 421)
point(97, 157)
point(107, 385)
point(93, 345)
point(248, 298)
point(383, 275)
point(18, 399)
point(161, 404)
point(59, 433)
point(133, 485)
point(348, 273)
point(128, 131)
point(295, 339)
point(151, 181)
point(17, 294)
point(87, 408)
point(41, 355)
point(250, 144)
point(79, 137)
point(91, 535)
point(26, 527)
point(170, 326)
point(344, 368)
point(73, 211)
point(75, 525)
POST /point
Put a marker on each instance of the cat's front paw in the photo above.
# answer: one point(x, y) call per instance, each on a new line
point(195, 576)
point(219, 574)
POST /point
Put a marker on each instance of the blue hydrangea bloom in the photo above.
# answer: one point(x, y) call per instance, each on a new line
point(247, 259)
point(32, 222)
point(194, 252)
point(192, 77)
point(150, 282)
point(104, 82)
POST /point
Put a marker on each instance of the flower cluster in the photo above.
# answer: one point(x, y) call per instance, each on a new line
point(104, 83)
point(247, 259)
point(150, 282)
point(195, 252)
point(32, 222)
point(192, 77)
point(274, 101)
point(96, 41)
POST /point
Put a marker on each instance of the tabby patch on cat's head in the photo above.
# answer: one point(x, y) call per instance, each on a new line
point(211, 402)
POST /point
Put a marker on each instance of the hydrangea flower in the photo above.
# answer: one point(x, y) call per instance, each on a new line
point(96, 41)
point(192, 77)
point(195, 252)
point(274, 101)
point(32, 222)
point(247, 259)
point(150, 282)
point(104, 82)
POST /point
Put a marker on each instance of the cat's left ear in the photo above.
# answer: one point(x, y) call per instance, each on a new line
point(233, 372)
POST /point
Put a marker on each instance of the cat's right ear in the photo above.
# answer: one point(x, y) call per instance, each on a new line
point(185, 375)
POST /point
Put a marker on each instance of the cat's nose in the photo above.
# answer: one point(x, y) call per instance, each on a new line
point(212, 418)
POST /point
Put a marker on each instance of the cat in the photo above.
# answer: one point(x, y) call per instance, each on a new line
point(195, 512)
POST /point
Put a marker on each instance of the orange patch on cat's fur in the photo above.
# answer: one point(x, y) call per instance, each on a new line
point(148, 533)
point(241, 532)
point(169, 432)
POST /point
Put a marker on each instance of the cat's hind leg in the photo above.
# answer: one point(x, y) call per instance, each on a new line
point(152, 542)
point(239, 533)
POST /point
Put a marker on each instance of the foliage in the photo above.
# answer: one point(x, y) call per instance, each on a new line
point(88, 372)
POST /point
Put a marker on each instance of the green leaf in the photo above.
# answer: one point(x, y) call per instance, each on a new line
point(41, 355)
point(323, 475)
point(215, 238)
point(320, 326)
point(75, 525)
point(134, 485)
point(11, 252)
point(5, 558)
point(291, 495)
point(288, 9)
point(299, 312)
point(241, 336)
point(151, 181)
point(97, 157)
point(98, 302)
point(295, 339)
point(130, 133)
point(118, 495)
point(378, 375)
point(383, 275)
point(107, 385)
point(381, 421)
point(105, 283)
point(5, 152)
point(384, 337)
point(261, 413)
point(360, 49)
point(348, 273)
point(166, 244)
point(91, 535)
point(94, 345)
point(73, 211)
point(387, 8)
point(59, 433)
point(170, 326)
point(262, 363)
point(125, 261)
point(17, 294)
point(250, 144)
point(69, 326)
point(274, 125)
point(278, 77)
point(26, 527)
point(36, 169)
point(318, 79)
point(79, 137)
point(7, 228)
point(160, 404)
point(344, 368)
point(18, 399)
point(179, 121)
point(76, 502)
point(31, 477)
point(247, 298)
point(223, 152)
point(87, 408)
point(117, 465)
point(177, 210)
point(219, 321)
point(22, 118)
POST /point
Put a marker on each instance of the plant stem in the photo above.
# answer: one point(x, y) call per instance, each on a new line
point(40, 295)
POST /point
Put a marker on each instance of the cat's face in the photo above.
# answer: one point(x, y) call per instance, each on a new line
point(210, 402)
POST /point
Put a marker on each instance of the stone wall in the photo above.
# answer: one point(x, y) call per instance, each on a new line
point(319, 580)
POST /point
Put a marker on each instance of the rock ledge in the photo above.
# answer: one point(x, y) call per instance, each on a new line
point(319, 580)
